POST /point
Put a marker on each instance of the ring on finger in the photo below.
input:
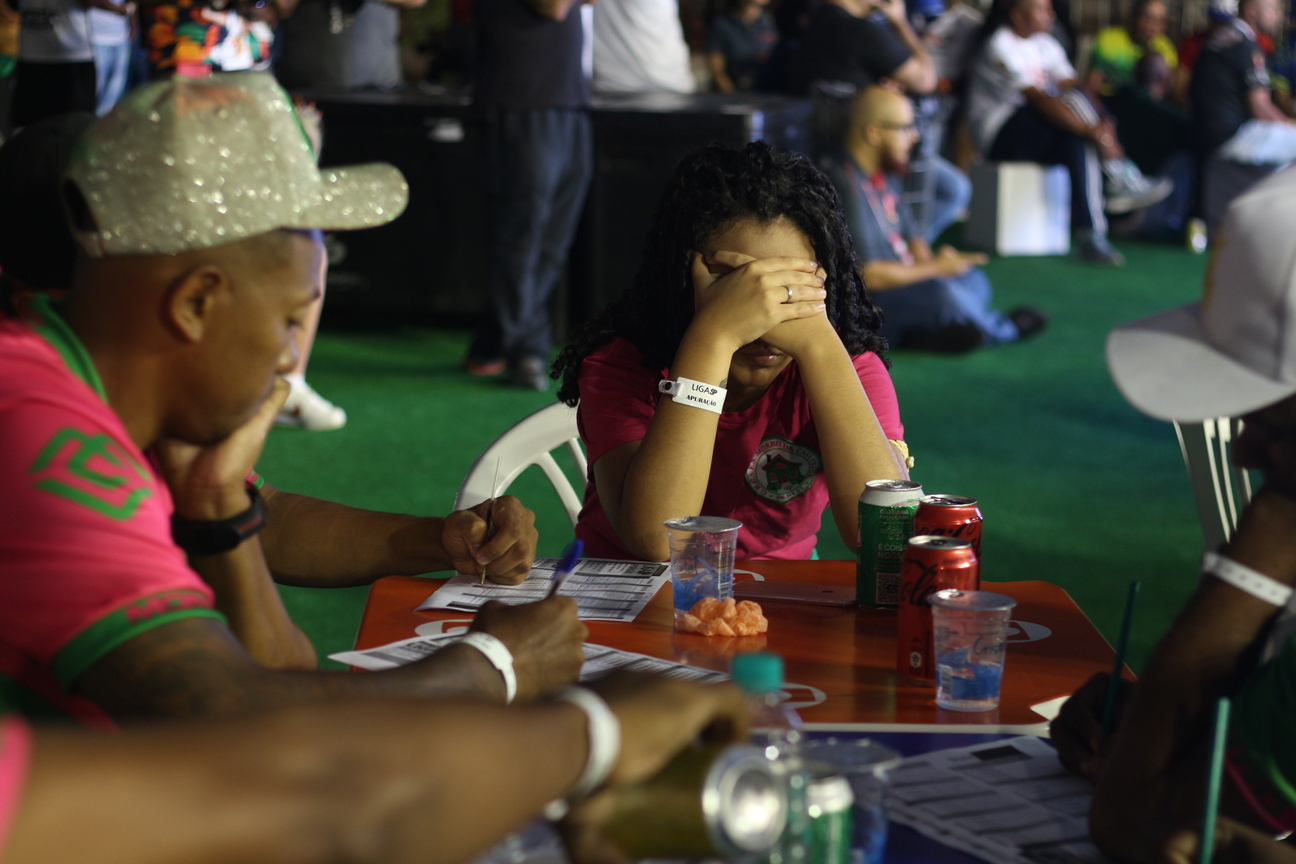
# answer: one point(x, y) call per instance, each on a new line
point(789, 290)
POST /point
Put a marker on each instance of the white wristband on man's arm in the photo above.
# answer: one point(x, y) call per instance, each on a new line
point(499, 656)
point(686, 391)
point(604, 746)
point(1244, 578)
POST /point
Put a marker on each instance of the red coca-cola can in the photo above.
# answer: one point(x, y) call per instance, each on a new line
point(930, 564)
point(950, 516)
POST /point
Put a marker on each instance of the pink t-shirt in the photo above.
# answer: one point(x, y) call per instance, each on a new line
point(85, 524)
point(766, 470)
point(15, 755)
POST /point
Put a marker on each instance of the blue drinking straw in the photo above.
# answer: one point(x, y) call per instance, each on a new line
point(1216, 773)
point(1122, 645)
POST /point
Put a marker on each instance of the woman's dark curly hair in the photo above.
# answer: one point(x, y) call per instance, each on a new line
point(713, 188)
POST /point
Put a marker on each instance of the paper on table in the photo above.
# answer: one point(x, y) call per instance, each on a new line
point(1006, 801)
point(599, 659)
point(604, 590)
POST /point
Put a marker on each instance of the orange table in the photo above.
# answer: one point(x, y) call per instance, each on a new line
point(840, 661)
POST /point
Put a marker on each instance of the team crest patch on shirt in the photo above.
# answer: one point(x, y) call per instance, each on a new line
point(93, 471)
point(781, 470)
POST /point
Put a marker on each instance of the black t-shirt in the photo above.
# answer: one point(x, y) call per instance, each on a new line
point(1150, 129)
point(1231, 65)
point(840, 47)
point(525, 60)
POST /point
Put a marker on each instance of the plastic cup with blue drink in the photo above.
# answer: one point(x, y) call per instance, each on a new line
point(865, 765)
point(970, 635)
point(702, 560)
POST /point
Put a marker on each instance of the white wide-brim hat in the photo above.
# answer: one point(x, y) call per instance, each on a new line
point(1235, 351)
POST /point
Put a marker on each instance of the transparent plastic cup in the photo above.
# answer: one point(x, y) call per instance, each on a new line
point(865, 765)
point(702, 560)
point(971, 633)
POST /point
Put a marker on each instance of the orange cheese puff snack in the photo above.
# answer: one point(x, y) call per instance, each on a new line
point(711, 617)
point(750, 620)
point(718, 627)
point(707, 609)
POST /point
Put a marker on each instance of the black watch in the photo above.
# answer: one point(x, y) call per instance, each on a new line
point(222, 535)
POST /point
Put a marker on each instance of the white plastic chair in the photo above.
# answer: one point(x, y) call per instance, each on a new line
point(528, 443)
point(1220, 489)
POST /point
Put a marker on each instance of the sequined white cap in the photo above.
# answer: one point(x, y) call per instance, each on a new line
point(192, 163)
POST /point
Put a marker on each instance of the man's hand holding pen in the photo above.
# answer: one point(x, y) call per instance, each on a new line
point(498, 535)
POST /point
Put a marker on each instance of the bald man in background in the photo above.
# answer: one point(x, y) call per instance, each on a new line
point(935, 301)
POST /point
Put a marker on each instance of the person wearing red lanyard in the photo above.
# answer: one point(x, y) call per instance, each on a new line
point(934, 301)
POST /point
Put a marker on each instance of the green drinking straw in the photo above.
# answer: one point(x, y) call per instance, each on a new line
point(1207, 849)
point(1122, 645)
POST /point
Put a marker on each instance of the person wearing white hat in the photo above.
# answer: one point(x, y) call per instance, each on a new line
point(1231, 354)
point(136, 577)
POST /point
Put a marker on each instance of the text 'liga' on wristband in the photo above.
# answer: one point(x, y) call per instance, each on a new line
point(686, 391)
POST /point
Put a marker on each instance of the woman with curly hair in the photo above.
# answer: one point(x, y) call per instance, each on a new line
point(740, 375)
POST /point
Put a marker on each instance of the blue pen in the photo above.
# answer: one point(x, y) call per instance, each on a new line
point(565, 567)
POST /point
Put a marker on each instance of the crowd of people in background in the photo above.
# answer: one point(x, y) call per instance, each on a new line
point(141, 548)
point(1148, 134)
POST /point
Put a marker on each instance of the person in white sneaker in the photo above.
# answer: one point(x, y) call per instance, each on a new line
point(304, 407)
point(1022, 106)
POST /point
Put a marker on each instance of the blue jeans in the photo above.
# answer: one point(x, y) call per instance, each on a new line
point(952, 190)
point(940, 302)
point(112, 63)
point(1166, 219)
point(538, 168)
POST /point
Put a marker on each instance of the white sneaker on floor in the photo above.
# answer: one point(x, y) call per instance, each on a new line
point(1128, 189)
point(307, 409)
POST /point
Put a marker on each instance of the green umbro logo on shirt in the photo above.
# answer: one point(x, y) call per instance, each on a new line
point(93, 471)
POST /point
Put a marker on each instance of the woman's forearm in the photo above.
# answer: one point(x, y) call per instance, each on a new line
point(855, 449)
point(667, 476)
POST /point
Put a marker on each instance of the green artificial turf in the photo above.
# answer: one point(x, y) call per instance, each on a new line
point(1076, 487)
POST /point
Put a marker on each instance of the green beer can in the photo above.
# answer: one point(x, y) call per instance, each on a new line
point(829, 803)
point(708, 803)
point(886, 515)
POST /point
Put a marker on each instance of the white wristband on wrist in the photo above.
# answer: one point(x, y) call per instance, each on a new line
point(686, 391)
point(604, 746)
point(1240, 576)
point(499, 656)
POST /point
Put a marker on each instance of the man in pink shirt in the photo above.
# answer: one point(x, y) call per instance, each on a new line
point(136, 577)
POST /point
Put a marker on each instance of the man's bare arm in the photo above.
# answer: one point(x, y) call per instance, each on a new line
point(554, 10)
point(246, 596)
point(1156, 764)
point(379, 781)
point(385, 781)
point(1058, 113)
point(1262, 107)
point(320, 544)
point(195, 667)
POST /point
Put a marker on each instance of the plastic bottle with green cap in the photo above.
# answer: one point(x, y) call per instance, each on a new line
point(775, 726)
point(760, 675)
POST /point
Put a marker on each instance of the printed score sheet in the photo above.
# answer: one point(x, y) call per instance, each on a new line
point(599, 659)
point(604, 590)
point(1006, 802)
